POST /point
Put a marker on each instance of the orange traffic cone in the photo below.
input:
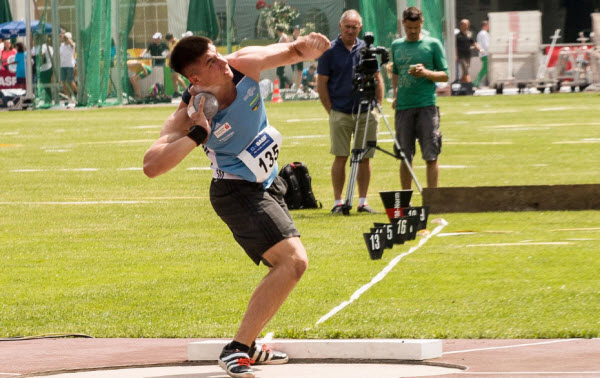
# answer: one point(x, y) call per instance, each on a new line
point(276, 96)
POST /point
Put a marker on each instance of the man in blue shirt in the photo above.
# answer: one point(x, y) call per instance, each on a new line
point(334, 84)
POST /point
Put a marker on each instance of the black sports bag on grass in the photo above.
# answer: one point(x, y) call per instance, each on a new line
point(299, 194)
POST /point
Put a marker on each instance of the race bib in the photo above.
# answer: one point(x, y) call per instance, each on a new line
point(260, 156)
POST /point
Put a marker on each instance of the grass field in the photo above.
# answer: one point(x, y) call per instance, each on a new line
point(90, 245)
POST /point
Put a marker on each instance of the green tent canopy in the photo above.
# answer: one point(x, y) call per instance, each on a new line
point(5, 15)
point(202, 19)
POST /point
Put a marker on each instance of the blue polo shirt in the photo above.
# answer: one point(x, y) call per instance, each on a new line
point(338, 64)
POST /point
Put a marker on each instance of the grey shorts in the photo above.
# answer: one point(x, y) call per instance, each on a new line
point(66, 74)
point(422, 124)
point(342, 127)
point(258, 218)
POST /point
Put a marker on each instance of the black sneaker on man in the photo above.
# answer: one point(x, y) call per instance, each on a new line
point(365, 209)
point(337, 209)
point(236, 363)
point(263, 355)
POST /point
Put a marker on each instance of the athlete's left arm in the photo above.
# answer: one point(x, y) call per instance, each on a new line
point(252, 60)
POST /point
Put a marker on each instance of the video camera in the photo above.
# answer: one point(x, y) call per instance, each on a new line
point(363, 80)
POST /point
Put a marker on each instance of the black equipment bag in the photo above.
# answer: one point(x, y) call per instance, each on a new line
point(299, 194)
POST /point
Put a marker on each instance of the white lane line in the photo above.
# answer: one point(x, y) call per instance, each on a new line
point(458, 143)
point(583, 141)
point(75, 203)
point(198, 169)
point(543, 125)
point(453, 166)
point(130, 169)
point(553, 109)
point(577, 229)
point(510, 346)
point(122, 141)
point(307, 136)
point(293, 120)
point(441, 235)
point(502, 373)
point(477, 112)
point(516, 244)
point(58, 170)
point(381, 275)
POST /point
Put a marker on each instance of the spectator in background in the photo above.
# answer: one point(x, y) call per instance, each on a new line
point(464, 43)
point(7, 52)
point(20, 63)
point(178, 83)
point(298, 67)
point(157, 50)
point(136, 70)
point(334, 84)
point(309, 78)
point(67, 64)
point(418, 63)
point(483, 40)
point(283, 38)
point(46, 68)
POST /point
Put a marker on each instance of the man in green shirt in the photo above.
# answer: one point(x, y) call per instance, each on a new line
point(418, 63)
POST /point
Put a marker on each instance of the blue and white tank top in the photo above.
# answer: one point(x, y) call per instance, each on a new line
point(242, 145)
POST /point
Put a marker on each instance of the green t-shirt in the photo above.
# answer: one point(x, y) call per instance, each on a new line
point(414, 92)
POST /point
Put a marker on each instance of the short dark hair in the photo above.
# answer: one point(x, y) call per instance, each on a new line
point(412, 14)
point(169, 36)
point(186, 51)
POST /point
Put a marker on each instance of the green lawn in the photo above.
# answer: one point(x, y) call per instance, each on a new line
point(90, 245)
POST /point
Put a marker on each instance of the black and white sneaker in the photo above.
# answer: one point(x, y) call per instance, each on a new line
point(263, 355)
point(236, 363)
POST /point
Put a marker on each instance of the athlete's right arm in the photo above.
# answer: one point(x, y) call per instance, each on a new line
point(173, 145)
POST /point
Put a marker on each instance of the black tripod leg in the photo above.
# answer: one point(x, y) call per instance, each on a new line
point(356, 159)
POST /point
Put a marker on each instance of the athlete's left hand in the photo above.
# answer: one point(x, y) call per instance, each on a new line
point(312, 46)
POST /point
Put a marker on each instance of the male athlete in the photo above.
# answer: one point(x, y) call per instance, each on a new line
point(245, 190)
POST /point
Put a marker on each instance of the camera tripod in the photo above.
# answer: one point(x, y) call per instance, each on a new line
point(359, 153)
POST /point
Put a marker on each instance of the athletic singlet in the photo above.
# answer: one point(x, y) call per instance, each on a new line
point(242, 145)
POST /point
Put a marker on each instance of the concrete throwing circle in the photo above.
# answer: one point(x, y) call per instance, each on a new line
point(316, 370)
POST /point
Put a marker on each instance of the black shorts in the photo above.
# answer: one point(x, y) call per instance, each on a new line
point(258, 218)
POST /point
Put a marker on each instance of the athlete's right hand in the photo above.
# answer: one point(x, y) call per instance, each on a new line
point(197, 117)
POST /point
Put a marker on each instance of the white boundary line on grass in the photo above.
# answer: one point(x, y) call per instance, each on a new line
point(510, 346)
point(381, 275)
point(503, 373)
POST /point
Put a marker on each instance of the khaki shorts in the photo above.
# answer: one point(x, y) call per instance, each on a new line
point(342, 127)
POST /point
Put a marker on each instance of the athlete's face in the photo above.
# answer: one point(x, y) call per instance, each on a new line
point(211, 69)
point(412, 29)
